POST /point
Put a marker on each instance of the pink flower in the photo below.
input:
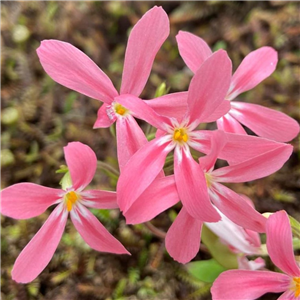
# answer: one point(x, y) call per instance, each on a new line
point(70, 67)
point(205, 103)
point(254, 68)
point(27, 200)
point(184, 236)
point(205, 95)
point(245, 284)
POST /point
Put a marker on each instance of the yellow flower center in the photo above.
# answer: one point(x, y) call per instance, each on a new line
point(120, 110)
point(71, 198)
point(296, 287)
point(208, 179)
point(180, 135)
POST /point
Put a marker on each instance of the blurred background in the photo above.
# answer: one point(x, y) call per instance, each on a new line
point(39, 117)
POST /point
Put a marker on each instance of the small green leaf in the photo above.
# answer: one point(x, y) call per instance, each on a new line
point(218, 250)
point(295, 227)
point(66, 181)
point(161, 90)
point(205, 270)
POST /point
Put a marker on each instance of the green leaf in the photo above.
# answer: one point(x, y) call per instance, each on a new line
point(218, 250)
point(205, 270)
point(161, 90)
point(66, 181)
point(295, 227)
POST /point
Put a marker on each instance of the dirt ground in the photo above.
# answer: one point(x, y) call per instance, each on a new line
point(39, 117)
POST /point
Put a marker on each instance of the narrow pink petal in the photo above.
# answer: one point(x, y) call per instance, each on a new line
point(130, 138)
point(99, 199)
point(237, 209)
point(218, 141)
point(266, 122)
point(229, 124)
point(94, 233)
point(70, 67)
point(36, 255)
point(288, 295)
point(220, 111)
point(192, 187)
point(208, 87)
point(257, 167)
point(239, 147)
point(159, 196)
point(82, 163)
point(279, 243)
point(183, 237)
point(254, 68)
point(146, 38)
point(173, 105)
point(248, 285)
point(27, 200)
point(192, 49)
point(142, 110)
point(141, 169)
point(103, 121)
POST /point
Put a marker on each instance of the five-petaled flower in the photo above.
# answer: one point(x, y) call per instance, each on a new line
point(245, 284)
point(255, 67)
point(27, 200)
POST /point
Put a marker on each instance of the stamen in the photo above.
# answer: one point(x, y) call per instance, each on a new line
point(71, 199)
point(296, 287)
point(120, 110)
point(180, 135)
point(208, 179)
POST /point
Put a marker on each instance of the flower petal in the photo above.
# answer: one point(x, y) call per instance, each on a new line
point(82, 164)
point(36, 255)
point(266, 122)
point(279, 243)
point(208, 87)
point(192, 187)
point(99, 199)
point(145, 39)
point(141, 169)
point(218, 141)
point(229, 124)
point(239, 147)
point(257, 167)
point(237, 209)
point(254, 68)
point(27, 200)
point(103, 121)
point(173, 105)
point(159, 196)
point(248, 285)
point(70, 67)
point(143, 111)
point(192, 49)
point(130, 138)
point(288, 295)
point(220, 111)
point(183, 237)
point(94, 233)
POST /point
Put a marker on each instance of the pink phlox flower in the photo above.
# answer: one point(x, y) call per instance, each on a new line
point(255, 67)
point(70, 67)
point(27, 200)
point(234, 206)
point(247, 284)
point(205, 95)
point(184, 236)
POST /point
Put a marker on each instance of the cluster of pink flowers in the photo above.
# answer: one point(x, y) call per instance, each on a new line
point(143, 189)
